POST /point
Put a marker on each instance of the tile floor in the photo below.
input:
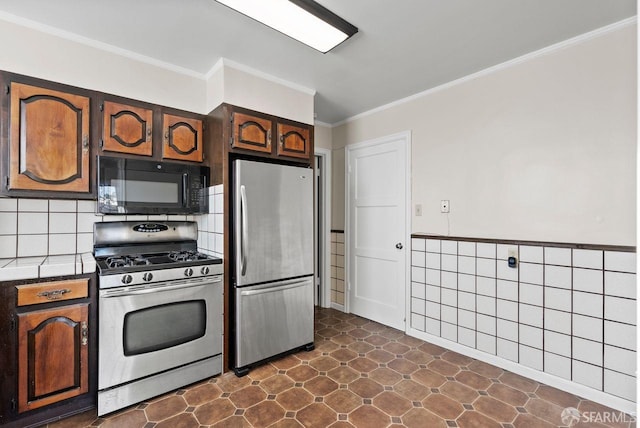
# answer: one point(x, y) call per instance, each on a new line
point(361, 374)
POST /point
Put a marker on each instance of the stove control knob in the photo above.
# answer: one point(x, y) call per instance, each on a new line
point(204, 270)
point(126, 279)
point(188, 272)
point(147, 276)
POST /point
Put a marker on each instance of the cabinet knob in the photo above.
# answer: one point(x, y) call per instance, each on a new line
point(399, 245)
point(85, 142)
point(149, 132)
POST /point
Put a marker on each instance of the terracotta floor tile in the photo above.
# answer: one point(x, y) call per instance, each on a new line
point(129, 419)
point(324, 364)
point(321, 386)
point(443, 367)
point(363, 365)
point(362, 374)
point(165, 408)
point(392, 404)
point(403, 366)
point(184, 420)
point(457, 359)
point(544, 410)
point(343, 374)
point(202, 394)
point(359, 333)
point(214, 411)
point(316, 415)
point(555, 396)
point(473, 380)
point(418, 356)
point(264, 414)
point(344, 355)
point(476, 420)
point(396, 348)
point(380, 356)
point(412, 390)
point(294, 399)
point(343, 401)
point(443, 406)
point(366, 388)
point(302, 373)
point(459, 392)
point(530, 421)
point(385, 376)
point(507, 394)
point(369, 417)
point(429, 378)
point(422, 418)
point(247, 396)
point(484, 369)
point(277, 384)
point(518, 382)
point(495, 409)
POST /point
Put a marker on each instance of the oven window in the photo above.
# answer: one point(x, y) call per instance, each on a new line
point(160, 327)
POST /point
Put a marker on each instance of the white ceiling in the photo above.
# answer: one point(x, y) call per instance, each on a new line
point(403, 46)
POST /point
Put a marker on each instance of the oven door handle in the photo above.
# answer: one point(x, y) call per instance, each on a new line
point(156, 289)
point(243, 230)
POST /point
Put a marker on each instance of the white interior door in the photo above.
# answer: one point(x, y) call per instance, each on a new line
point(377, 229)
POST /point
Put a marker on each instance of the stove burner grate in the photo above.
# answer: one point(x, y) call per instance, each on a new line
point(185, 256)
point(125, 261)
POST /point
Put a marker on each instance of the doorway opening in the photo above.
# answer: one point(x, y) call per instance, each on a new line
point(322, 227)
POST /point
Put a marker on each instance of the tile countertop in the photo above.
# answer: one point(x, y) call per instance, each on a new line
point(46, 266)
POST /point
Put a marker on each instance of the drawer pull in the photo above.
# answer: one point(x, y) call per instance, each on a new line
point(54, 294)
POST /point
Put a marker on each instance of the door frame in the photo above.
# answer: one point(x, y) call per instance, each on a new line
point(406, 137)
point(325, 221)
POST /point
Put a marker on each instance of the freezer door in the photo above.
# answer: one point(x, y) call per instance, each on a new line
point(273, 222)
point(273, 318)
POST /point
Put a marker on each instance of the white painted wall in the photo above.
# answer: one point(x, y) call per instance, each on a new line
point(322, 136)
point(258, 91)
point(44, 55)
point(543, 149)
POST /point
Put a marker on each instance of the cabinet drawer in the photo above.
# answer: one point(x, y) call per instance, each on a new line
point(44, 292)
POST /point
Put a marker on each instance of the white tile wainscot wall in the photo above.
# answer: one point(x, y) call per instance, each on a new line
point(337, 269)
point(565, 315)
point(48, 227)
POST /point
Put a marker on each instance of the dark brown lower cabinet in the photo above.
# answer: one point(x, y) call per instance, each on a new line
point(48, 349)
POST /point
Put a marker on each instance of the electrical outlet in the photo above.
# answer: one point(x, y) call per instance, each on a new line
point(444, 206)
point(418, 210)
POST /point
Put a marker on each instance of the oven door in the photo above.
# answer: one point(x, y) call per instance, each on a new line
point(146, 330)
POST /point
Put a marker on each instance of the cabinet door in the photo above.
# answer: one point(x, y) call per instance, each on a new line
point(251, 133)
point(127, 129)
point(293, 141)
point(49, 135)
point(52, 355)
point(182, 138)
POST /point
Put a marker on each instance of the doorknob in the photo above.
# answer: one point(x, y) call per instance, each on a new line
point(399, 246)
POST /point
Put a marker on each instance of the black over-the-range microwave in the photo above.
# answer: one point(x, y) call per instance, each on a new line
point(136, 186)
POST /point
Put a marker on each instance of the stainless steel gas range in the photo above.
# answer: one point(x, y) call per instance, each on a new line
point(160, 310)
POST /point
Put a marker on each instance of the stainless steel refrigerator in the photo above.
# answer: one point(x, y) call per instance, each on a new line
point(274, 266)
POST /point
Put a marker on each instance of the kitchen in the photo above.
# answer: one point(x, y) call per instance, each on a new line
point(508, 165)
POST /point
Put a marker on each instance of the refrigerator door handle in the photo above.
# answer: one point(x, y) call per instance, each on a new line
point(243, 230)
point(282, 287)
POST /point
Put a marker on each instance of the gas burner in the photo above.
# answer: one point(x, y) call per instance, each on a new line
point(125, 261)
point(185, 256)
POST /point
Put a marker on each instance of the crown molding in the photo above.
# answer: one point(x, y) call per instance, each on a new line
point(47, 29)
point(496, 68)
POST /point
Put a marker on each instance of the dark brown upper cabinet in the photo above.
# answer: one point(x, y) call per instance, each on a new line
point(48, 140)
point(251, 133)
point(127, 129)
point(182, 138)
point(266, 135)
point(293, 141)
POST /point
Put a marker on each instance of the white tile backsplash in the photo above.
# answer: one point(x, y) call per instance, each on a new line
point(432, 245)
point(587, 327)
point(587, 304)
point(587, 351)
point(557, 256)
point(620, 360)
point(620, 284)
point(449, 247)
point(531, 357)
point(620, 335)
point(432, 260)
point(467, 264)
point(33, 245)
point(486, 267)
point(557, 365)
point(531, 273)
point(8, 246)
point(591, 259)
point(587, 374)
point(62, 206)
point(62, 222)
point(33, 223)
point(467, 283)
point(531, 254)
point(449, 262)
point(557, 343)
point(622, 310)
point(620, 385)
point(588, 280)
point(37, 205)
point(8, 223)
point(418, 244)
point(557, 276)
point(486, 250)
point(7, 204)
point(466, 248)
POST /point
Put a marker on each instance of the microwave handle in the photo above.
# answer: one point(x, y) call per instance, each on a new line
point(185, 189)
